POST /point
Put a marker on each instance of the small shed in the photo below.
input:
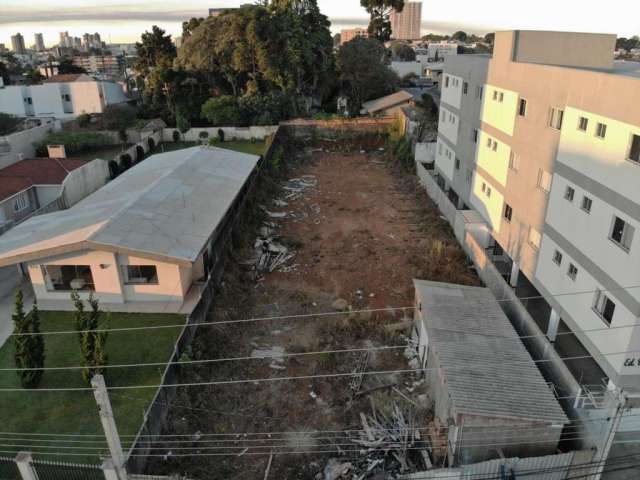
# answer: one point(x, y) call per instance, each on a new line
point(389, 105)
point(489, 398)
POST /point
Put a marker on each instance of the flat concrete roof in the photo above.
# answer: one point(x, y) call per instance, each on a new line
point(165, 207)
point(487, 370)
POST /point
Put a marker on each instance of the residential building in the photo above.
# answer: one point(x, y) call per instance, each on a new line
point(39, 42)
point(542, 140)
point(146, 241)
point(109, 65)
point(348, 34)
point(389, 105)
point(438, 51)
point(484, 384)
point(17, 44)
point(3, 48)
point(61, 96)
point(406, 25)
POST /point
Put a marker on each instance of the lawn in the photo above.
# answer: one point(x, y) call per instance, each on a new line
point(106, 153)
point(76, 412)
point(245, 146)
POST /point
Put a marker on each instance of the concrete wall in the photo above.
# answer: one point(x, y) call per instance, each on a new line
point(238, 133)
point(84, 181)
point(12, 100)
point(21, 143)
point(173, 282)
point(405, 68)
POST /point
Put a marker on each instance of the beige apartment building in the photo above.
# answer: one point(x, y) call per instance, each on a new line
point(405, 25)
point(542, 141)
point(348, 34)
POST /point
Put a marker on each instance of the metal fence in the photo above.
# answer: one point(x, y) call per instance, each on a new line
point(9, 469)
point(47, 470)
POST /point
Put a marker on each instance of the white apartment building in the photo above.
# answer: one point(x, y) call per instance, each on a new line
point(406, 25)
point(61, 97)
point(542, 140)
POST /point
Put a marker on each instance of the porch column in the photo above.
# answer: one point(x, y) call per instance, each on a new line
point(515, 272)
point(552, 329)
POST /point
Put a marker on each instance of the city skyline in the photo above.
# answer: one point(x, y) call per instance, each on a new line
point(119, 22)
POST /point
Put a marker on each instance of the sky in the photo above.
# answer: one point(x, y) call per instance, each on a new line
point(124, 20)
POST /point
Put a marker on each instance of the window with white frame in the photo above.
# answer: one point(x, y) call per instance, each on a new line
point(514, 161)
point(621, 233)
point(555, 118)
point(544, 181)
point(557, 257)
point(583, 124)
point(572, 272)
point(534, 238)
point(569, 193)
point(601, 130)
point(587, 203)
point(634, 149)
point(604, 306)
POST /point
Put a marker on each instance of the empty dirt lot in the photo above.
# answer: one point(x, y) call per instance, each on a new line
point(361, 231)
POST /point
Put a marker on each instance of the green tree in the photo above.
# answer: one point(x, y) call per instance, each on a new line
point(93, 355)
point(403, 52)
point(118, 117)
point(222, 111)
point(183, 124)
point(379, 11)
point(28, 343)
point(154, 48)
point(65, 66)
point(363, 72)
point(489, 38)
point(189, 26)
point(460, 36)
point(430, 107)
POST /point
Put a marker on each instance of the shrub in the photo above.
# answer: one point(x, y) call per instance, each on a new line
point(74, 142)
point(203, 135)
point(223, 110)
point(253, 140)
point(139, 153)
point(152, 143)
point(125, 162)
point(176, 136)
point(214, 141)
point(118, 117)
point(114, 169)
point(83, 119)
point(221, 135)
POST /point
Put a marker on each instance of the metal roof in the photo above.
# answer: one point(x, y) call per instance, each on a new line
point(389, 101)
point(164, 207)
point(487, 369)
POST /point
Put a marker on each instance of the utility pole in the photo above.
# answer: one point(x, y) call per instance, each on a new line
point(109, 425)
point(620, 401)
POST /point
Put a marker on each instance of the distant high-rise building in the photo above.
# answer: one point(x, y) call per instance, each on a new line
point(17, 44)
point(39, 42)
point(405, 25)
point(349, 34)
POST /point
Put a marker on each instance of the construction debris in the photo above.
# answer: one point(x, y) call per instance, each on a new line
point(295, 187)
point(340, 305)
point(271, 255)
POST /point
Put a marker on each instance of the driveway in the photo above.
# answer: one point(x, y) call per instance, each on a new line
point(8, 284)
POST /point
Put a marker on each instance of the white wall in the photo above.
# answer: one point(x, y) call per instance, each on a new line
point(405, 68)
point(499, 114)
point(488, 206)
point(47, 100)
point(85, 180)
point(452, 94)
point(12, 100)
point(22, 142)
point(448, 125)
point(445, 159)
point(238, 133)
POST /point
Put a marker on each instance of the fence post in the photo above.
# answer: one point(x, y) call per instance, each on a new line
point(109, 469)
point(23, 460)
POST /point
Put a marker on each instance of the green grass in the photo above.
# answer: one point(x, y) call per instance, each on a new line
point(76, 412)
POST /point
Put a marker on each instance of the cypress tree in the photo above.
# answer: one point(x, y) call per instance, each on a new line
point(28, 343)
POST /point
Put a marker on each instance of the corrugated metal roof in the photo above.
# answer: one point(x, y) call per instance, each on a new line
point(382, 103)
point(166, 206)
point(487, 369)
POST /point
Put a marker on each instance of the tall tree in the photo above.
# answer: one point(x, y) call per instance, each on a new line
point(153, 48)
point(28, 343)
point(93, 354)
point(379, 12)
point(189, 26)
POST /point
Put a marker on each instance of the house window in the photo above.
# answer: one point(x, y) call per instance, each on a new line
point(522, 107)
point(569, 194)
point(21, 202)
point(508, 212)
point(601, 130)
point(604, 306)
point(544, 181)
point(586, 204)
point(67, 277)
point(555, 118)
point(557, 257)
point(465, 88)
point(572, 272)
point(622, 233)
point(534, 238)
point(140, 274)
point(474, 135)
point(583, 123)
point(457, 163)
point(634, 151)
point(514, 161)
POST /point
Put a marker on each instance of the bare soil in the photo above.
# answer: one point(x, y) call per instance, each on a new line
point(362, 235)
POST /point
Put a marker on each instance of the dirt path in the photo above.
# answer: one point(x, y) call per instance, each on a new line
point(361, 234)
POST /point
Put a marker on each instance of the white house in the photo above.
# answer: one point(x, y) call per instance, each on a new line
point(142, 243)
point(61, 96)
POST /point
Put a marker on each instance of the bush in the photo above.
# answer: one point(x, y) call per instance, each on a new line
point(125, 162)
point(74, 142)
point(222, 111)
point(203, 135)
point(118, 117)
point(221, 135)
point(176, 136)
point(114, 169)
point(152, 143)
point(139, 153)
point(83, 119)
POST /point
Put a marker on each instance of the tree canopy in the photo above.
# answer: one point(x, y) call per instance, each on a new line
point(460, 36)
point(403, 52)
point(379, 12)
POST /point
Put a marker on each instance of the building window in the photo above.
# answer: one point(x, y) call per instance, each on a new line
point(479, 91)
point(514, 161)
point(522, 107)
point(501, 97)
point(21, 202)
point(67, 277)
point(140, 274)
point(494, 147)
point(457, 163)
point(569, 193)
point(583, 123)
point(601, 130)
point(508, 212)
point(484, 187)
point(572, 272)
point(634, 151)
point(534, 238)
point(469, 175)
point(474, 135)
point(604, 306)
point(555, 118)
point(488, 193)
point(622, 233)
point(440, 148)
point(495, 95)
point(557, 257)
point(446, 81)
point(544, 181)
point(586, 204)
point(489, 142)
point(66, 97)
point(443, 116)
point(465, 88)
